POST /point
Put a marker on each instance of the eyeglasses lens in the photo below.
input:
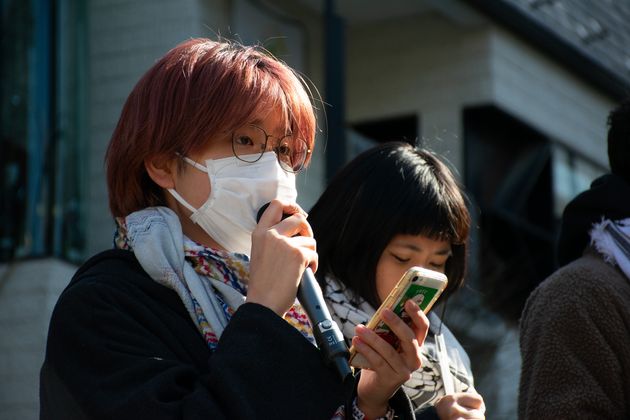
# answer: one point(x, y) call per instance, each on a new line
point(249, 144)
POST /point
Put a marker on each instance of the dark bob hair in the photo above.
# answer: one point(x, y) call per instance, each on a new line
point(388, 190)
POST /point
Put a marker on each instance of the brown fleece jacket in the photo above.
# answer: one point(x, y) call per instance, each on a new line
point(575, 343)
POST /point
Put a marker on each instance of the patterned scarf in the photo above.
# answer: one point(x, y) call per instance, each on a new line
point(211, 283)
point(612, 240)
point(430, 382)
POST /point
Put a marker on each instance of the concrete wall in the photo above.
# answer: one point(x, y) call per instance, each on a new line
point(434, 67)
point(28, 292)
point(544, 94)
point(424, 65)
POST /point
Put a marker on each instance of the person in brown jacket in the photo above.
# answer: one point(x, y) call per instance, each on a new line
point(575, 328)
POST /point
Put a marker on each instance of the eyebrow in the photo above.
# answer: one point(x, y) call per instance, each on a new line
point(258, 122)
point(445, 251)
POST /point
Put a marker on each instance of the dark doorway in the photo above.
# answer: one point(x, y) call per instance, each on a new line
point(404, 128)
point(365, 134)
point(508, 175)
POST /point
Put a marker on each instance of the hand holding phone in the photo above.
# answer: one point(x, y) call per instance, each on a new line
point(421, 285)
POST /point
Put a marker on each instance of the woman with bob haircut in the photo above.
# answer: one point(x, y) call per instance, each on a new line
point(391, 208)
point(193, 313)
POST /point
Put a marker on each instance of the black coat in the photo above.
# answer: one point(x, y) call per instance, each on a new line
point(608, 197)
point(121, 346)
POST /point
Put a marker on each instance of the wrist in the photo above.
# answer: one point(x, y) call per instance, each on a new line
point(266, 303)
point(370, 410)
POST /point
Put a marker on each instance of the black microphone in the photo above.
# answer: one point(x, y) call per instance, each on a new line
point(326, 331)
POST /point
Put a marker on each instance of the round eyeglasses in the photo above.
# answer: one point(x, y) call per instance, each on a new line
point(250, 142)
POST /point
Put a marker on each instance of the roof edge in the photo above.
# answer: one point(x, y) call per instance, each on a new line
point(577, 60)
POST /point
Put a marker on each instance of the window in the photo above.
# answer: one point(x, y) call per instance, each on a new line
point(508, 171)
point(572, 174)
point(42, 86)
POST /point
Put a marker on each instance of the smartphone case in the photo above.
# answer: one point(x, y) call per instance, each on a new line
point(420, 284)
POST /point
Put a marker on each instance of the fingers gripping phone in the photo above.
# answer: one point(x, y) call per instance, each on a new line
point(420, 284)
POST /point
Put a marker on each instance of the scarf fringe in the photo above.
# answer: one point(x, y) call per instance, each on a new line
point(612, 240)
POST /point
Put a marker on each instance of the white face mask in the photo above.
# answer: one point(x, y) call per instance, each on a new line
point(237, 191)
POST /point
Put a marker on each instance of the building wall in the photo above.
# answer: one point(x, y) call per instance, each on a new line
point(28, 293)
point(434, 67)
point(544, 94)
point(425, 65)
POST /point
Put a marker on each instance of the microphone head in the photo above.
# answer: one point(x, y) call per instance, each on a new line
point(261, 211)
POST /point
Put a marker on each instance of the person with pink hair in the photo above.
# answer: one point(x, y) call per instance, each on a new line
point(193, 314)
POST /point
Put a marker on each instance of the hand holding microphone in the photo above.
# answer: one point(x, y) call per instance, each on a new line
point(284, 248)
point(279, 257)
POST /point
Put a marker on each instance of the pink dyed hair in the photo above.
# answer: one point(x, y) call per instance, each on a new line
point(198, 91)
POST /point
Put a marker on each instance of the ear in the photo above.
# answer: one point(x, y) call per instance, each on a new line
point(161, 170)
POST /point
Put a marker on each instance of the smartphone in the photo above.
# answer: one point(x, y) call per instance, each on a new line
point(420, 284)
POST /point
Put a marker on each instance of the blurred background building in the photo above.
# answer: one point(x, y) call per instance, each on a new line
point(513, 93)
